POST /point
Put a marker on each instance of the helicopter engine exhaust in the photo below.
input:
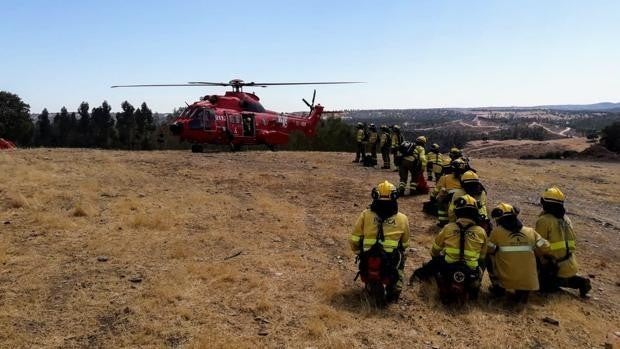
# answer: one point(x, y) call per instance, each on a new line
point(176, 128)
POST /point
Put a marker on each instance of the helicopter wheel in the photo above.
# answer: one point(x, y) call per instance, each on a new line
point(197, 148)
point(272, 147)
point(235, 147)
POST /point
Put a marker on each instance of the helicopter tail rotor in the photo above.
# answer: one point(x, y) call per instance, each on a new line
point(310, 105)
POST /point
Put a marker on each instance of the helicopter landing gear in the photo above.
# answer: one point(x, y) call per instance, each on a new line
point(272, 147)
point(197, 148)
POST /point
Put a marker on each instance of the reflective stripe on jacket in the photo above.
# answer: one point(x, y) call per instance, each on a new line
point(395, 232)
point(514, 262)
point(448, 240)
point(559, 232)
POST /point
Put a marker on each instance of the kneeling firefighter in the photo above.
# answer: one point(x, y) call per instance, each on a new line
point(379, 238)
point(561, 269)
point(458, 254)
point(512, 250)
point(470, 185)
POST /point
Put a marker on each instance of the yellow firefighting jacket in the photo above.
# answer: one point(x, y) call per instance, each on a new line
point(395, 232)
point(359, 135)
point(396, 140)
point(434, 163)
point(482, 203)
point(446, 184)
point(372, 137)
point(560, 234)
point(447, 243)
point(384, 139)
point(421, 155)
point(513, 257)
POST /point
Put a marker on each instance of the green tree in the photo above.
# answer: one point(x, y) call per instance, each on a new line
point(103, 125)
point(126, 125)
point(61, 128)
point(145, 125)
point(84, 132)
point(610, 137)
point(15, 122)
point(43, 133)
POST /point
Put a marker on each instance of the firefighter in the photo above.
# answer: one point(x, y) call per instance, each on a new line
point(397, 140)
point(418, 182)
point(372, 142)
point(409, 163)
point(443, 192)
point(470, 184)
point(559, 270)
point(462, 242)
point(456, 153)
point(382, 218)
point(359, 138)
point(434, 164)
point(385, 140)
point(512, 250)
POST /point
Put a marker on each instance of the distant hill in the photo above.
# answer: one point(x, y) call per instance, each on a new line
point(603, 106)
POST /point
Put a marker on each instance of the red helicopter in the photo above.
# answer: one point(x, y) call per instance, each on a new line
point(237, 118)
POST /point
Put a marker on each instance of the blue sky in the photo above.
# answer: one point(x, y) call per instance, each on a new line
point(410, 53)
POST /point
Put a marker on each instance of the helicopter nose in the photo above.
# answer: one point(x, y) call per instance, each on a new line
point(176, 128)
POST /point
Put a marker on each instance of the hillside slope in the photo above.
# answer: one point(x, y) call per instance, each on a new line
point(173, 249)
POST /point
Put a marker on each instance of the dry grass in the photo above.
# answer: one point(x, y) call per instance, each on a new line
point(205, 251)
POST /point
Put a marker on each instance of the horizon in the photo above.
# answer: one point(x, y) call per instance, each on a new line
point(447, 55)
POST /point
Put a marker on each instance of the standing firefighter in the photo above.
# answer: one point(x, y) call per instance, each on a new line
point(373, 137)
point(511, 249)
point(418, 183)
point(560, 270)
point(458, 254)
point(408, 165)
point(379, 238)
point(434, 164)
point(359, 138)
point(397, 140)
point(385, 142)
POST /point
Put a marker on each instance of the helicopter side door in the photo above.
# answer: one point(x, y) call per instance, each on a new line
point(235, 126)
point(249, 125)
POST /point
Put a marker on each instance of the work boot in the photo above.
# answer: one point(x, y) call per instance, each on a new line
point(392, 296)
point(585, 287)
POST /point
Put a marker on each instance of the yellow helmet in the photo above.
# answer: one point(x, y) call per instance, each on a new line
point(469, 176)
point(421, 139)
point(465, 201)
point(458, 164)
point(503, 210)
point(553, 194)
point(384, 191)
point(435, 146)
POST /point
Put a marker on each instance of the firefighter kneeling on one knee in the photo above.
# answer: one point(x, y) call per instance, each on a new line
point(458, 254)
point(382, 231)
point(559, 270)
point(512, 251)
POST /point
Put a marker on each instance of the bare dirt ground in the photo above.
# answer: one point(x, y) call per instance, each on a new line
point(516, 148)
point(109, 249)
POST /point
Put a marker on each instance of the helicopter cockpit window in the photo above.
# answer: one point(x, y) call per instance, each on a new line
point(196, 122)
point(252, 106)
point(209, 120)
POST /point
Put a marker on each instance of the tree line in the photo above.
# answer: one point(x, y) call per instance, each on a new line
point(133, 128)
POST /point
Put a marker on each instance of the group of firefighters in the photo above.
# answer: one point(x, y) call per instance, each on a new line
point(517, 258)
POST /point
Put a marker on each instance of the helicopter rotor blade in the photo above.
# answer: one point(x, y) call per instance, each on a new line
point(154, 85)
point(308, 104)
point(307, 83)
point(313, 97)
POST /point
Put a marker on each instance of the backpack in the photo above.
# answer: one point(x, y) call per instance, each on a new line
point(375, 265)
point(456, 280)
